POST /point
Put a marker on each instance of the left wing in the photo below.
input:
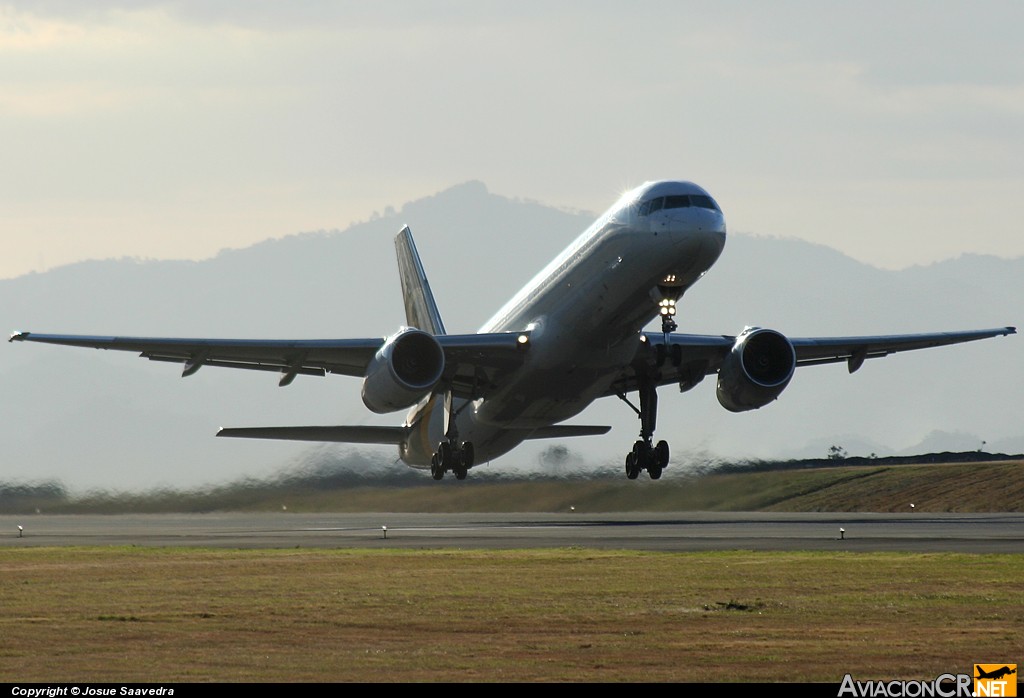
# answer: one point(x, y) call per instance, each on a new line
point(854, 350)
point(472, 362)
point(686, 358)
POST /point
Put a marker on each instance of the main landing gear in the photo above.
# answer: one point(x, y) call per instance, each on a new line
point(645, 454)
point(645, 457)
point(452, 456)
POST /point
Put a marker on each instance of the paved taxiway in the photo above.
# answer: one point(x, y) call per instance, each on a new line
point(680, 531)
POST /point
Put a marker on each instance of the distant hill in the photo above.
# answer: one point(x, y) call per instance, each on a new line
point(100, 419)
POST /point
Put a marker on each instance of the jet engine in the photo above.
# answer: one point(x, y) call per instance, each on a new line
point(757, 369)
point(404, 370)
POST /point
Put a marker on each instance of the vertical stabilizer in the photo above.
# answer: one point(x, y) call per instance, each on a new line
point(420, 309)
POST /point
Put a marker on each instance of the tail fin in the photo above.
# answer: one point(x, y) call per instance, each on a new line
point(420, 309)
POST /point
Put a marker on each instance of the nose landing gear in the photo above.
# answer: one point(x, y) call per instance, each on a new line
point(667, 310)
point(667, 294)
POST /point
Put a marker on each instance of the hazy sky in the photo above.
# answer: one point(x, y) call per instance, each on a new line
point(891, 131)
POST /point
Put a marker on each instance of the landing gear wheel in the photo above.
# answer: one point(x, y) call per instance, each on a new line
point(639, 448)
point(661, 455)
point(632, 472)
point(654, 471)
point(444, 456)
point(636, 460)
point(435, 470)
point(642, 456)
point(467, 455)
point(460, 473)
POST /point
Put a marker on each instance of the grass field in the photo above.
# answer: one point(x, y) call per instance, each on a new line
point(954, 487)
point(133, 614)
point(151, 615)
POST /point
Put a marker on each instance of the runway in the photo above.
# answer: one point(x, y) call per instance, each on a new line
point(680, 531)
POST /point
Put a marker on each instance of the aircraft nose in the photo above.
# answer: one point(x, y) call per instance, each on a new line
point(717, 230)
point(701, 225)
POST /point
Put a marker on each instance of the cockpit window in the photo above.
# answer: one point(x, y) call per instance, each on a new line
point(704, 202)
point(677, 201)
point(651, 206)
point(682, 201)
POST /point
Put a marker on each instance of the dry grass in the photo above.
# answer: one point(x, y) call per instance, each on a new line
point(953, 487)
point(563, 615)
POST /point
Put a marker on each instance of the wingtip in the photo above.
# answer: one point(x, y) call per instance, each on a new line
point(18, 336)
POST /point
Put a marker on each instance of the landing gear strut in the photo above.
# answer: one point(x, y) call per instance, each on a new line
point(452, 456)
point(645, 454)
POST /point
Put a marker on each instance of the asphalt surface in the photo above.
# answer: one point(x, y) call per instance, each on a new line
point(681, 531)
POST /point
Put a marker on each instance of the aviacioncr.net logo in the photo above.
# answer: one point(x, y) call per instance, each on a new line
point(942, 686)
point(996, 680)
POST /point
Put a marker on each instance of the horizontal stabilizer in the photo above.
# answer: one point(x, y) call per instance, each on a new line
point(559, 431)
point(351, 435)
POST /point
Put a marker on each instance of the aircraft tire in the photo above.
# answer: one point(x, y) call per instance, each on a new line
point(654, 471)
point(661, 455)
point(468, 455)
point(445, 457)
point(632, 471)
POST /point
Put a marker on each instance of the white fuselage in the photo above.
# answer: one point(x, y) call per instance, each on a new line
point(585, 312)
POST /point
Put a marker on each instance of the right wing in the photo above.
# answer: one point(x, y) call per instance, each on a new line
point(315, 357)
point(472, 362)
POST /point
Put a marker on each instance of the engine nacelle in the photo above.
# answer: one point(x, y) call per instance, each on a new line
point(403, 371)
point(757, 369)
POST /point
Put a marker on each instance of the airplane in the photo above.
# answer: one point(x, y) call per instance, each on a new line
point(574, 334)
point(995, 674)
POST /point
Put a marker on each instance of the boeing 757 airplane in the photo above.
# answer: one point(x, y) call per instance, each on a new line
point(573, 334)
